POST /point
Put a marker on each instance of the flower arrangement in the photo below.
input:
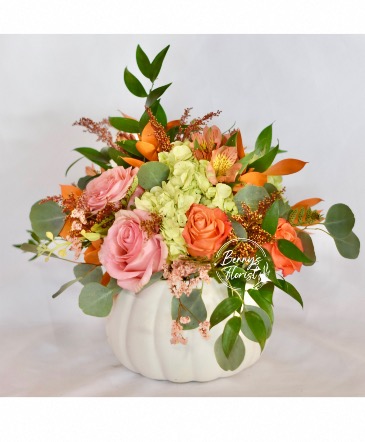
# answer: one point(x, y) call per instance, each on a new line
point(183, 201)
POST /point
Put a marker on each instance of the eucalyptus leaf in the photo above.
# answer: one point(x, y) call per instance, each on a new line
point(339, 220)
point(97, 300)
point(192, 306)
point(133, 84)
point(250, 195)
point(235, 358)
point(152, 174)
point(46, 217)
point(64, 287)
point(348, 247)
point(238, 229)
point(86, 273)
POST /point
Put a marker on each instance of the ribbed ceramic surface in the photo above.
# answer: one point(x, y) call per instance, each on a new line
point(138, 331)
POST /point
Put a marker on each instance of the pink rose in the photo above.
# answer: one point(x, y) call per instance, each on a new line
point(129, 254)
point(285, 231)
point(110, 187)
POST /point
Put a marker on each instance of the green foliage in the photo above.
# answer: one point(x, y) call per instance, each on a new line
point(192, 306)
point(46, 217)
point(267, 291)
point(232, 140)
point(236, 355)
point(130, 147)
point(117, 157)
point(348, 247)
point(71, 165)
point(86, 273)
point(263, 142)
point(143, 62)
point(264, 317)
point(284, 209)
point(83, 181)
point(251, 195)
point(97, 300)
point(238, 229)
point(230, 334)
point(263, 163)
point(99, 158)
point(266, 265)
point(289, 289)
point(270, 188)
point(157, 63)
point(157, 111)
point(291, 251)
point(256, 326)
point(152, 174)
point(133, 84)
point(339, 221)
point(271, 220)
point(245, 161)
point(308, 248)
point(236, 280)
point(125, 124)
point(262, 302)
point(156, 94)
point(224, 309)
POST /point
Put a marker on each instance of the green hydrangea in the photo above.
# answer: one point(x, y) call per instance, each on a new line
point(187, 184)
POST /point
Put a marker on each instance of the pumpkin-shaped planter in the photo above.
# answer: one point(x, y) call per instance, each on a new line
point(139, 332)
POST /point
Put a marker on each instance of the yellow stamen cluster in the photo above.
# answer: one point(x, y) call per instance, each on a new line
point(221, 164)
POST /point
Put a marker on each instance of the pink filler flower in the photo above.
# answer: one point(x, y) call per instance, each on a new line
point(128, 254)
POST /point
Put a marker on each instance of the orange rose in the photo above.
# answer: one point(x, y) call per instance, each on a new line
point(206, 230)
point(285, 231)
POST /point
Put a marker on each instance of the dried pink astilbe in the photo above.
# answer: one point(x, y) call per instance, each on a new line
point(99, 129)
point(204, 329)
point(176, 334)
point(184, 320)
point(183, 276)
point(76, 246)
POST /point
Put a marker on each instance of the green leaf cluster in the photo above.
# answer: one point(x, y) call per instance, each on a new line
point(339, 222)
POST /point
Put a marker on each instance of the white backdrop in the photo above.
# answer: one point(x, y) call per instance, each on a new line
point(311, 86)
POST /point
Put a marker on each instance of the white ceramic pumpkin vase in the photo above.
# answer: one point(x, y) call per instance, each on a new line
point(139, 331)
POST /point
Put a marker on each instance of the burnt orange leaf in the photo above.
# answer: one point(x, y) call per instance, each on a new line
point(240, 147)
point(310, 202)
point(148, 150)
point(286, 167)
point(65, 229)
point(148, 135)
point(133, 162)
point(105, 279)
point(66, 191)
point(91, 254)
point(172, 124)
point(255, 178)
